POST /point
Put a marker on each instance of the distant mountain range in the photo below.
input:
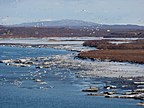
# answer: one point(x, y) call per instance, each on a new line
point(75, 24)
point(70, 28)
point(58, 23)
point(1, 25)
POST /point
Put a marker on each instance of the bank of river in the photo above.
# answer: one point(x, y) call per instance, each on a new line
point(56, 87)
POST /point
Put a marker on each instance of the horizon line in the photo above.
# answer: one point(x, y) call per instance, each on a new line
point(73, 20)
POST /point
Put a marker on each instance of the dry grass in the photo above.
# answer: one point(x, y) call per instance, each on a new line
point(126, 52)
point(105, 44)
point(40, 32)
point(135, 56)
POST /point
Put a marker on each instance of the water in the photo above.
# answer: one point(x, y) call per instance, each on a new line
point(18, 89)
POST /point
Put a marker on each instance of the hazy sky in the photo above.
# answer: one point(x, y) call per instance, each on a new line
point(99, 11)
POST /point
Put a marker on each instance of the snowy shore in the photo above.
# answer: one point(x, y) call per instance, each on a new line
point(88, 67)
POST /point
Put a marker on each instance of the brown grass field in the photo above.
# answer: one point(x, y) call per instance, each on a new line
point(126, 52)
point(105, 44)
point(41, 32)
point(135, 56)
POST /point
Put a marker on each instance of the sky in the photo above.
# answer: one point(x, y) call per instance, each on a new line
point(98, 11)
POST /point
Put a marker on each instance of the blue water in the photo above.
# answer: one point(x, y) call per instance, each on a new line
point(56, 94)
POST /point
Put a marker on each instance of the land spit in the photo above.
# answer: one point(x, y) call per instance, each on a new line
point(133, 56)
point(116, 50)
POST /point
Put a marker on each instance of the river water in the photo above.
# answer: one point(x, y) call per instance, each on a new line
point(18, 89)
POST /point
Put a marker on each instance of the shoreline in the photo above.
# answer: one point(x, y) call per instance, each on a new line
point(130, 56)
point(101, 68)
point(106, 68)
point(119, 80)
point(131, 51)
